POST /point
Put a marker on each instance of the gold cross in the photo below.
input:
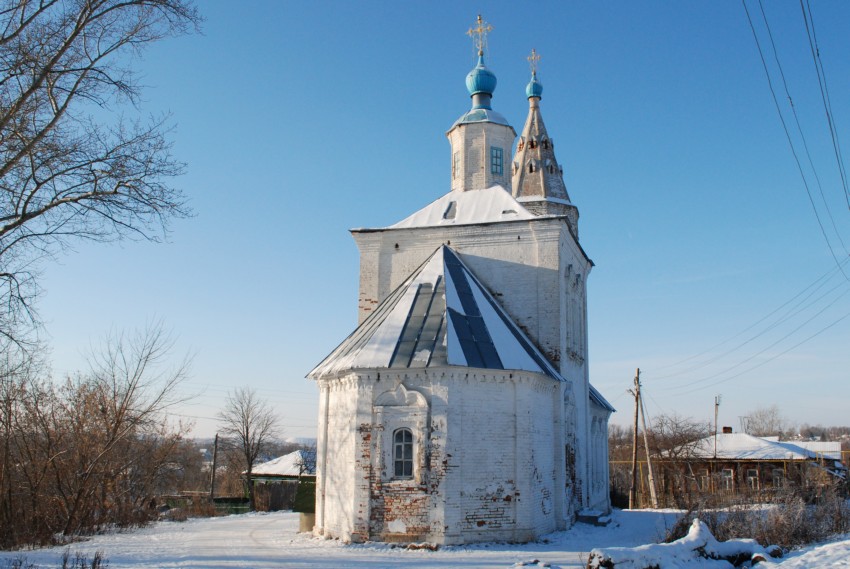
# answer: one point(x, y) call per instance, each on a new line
point(479, 34)
point(532, 60)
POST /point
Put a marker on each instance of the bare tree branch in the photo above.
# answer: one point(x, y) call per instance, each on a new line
point(65, 175)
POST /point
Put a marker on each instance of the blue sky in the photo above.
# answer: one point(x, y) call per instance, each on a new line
point(300, 120)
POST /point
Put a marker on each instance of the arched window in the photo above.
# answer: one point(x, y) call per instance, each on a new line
point(403, 453)
point(530, 167)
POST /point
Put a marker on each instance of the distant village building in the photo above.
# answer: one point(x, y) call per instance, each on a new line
point(290, 466)
point(735, 462)
point(276, 481)
point(460, 409)
point(731, 464)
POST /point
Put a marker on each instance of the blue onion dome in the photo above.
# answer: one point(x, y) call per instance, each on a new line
point(534, 88)
point(480, 79)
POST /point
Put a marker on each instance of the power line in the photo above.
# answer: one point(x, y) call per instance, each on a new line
point(800, 128)
point(783, 338)
point(824, 92)
point(758, 365)
point(790, 141)
point(797, 306)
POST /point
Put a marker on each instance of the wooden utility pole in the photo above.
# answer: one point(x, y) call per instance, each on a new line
point(633, 487)
point(652, 494)
point(212, 474)
point(716, 408)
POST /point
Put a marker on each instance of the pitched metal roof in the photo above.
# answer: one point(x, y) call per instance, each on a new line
point(298, 463)
point(741, 446)
point(488, 205)
point(441, 315)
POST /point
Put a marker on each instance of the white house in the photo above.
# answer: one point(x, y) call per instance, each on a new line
point(460, 409)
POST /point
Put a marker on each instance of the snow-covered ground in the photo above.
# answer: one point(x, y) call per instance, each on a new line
point(271, 540)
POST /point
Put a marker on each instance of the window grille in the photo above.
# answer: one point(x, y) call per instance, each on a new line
point(727, 479)
point(496, 161)
point(753, 478)
point(403, 453)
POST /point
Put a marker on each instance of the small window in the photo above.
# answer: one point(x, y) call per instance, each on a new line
point(496, 161)
point(451, 211)
point(704, 481)
point(778, 478)
point(753, 478)
point(727, 479)
point(403, 453)
point(455, 164)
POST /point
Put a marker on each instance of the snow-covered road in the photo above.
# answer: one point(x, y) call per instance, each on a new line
point(271, 540)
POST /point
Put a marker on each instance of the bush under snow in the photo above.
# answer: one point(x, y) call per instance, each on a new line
point(697, 549)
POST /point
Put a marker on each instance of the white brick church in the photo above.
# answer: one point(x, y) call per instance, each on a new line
point(460, 409)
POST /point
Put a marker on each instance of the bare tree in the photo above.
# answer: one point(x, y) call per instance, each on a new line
point(307, 461)
point(674, 436)
point(71, 167)
point(767, 421)
point(250, 425)
point(92, 451)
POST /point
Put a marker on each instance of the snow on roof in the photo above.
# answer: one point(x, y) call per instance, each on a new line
point(597, 398)
point(441, 315)
point(742, 446)
point(464, 208)
point(831, 450)
point(296, 463)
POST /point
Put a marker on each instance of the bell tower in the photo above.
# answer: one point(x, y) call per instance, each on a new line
point(538, 179)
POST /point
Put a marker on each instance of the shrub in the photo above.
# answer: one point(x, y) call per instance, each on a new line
point(787, 522)
point(305, 497)
point(80, 561)
point(68, 560)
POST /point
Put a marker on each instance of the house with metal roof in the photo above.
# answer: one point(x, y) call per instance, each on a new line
point(276, 481)
point(290, 466)
point(730, 464)
point(460, 408)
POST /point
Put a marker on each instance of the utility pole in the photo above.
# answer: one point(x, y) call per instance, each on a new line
point(716, 407)
point(212, 474)
point(652, 494)
point(633, 488)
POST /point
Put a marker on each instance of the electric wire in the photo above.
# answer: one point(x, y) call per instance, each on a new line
point(791, 142)
point(826, 275)
point(824, 91)
point(800, 129)
point(774, 344)
point(751, 339)
point(758, 365)
point(795, 309)
point(801, 301)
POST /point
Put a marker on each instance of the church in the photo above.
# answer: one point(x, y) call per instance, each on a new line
point(460, 409)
